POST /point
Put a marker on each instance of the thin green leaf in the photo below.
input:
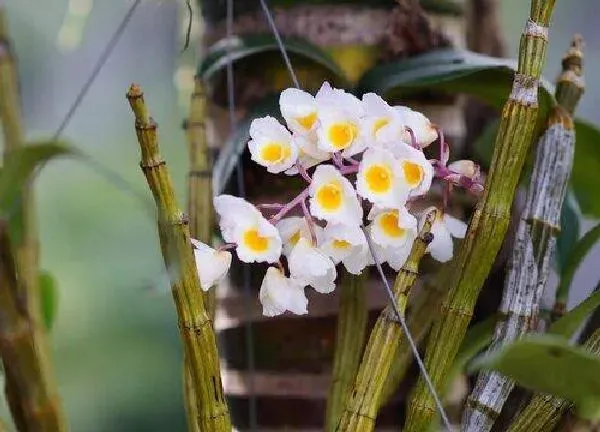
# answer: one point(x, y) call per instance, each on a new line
point(233, 149)
point(48, 298)
point(581, 249)
point(586, 167)
point(569, 231)
point(19, 166)
point(568, 324)
point(453, 71)
point(239, 48)
point(551, 365)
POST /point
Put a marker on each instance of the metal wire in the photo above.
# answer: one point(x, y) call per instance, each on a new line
point(284, 54)
point(246, 274)
point(390, 294)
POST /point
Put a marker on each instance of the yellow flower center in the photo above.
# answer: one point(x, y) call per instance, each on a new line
point(329, 196)
point(379, 124)
point(389, 224)
point(379, 178)
point(295, 238)
point(255, 242)
point(308, 121)
point(413, 173)
point(275, 152)
point(341, 244)
point(341, 135)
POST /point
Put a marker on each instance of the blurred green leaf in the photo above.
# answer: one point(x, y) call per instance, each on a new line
point(579, 252)
point(453, 71)
point(568, 324)
point(477, 338)
point(238, 48)
point(569, 231)
point(484, 145)
point(551, 365)
point(586, 167)
point(233, 149)
point(19, 166)
point(48, 298)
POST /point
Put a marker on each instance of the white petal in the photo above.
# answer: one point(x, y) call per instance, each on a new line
point(273, 294)
point(456, 227)
point(233, 211)
point(441, 248)
point(212, 266)
point(348, 211)
point(310, 266)
point(299, 110)
point(424, 131)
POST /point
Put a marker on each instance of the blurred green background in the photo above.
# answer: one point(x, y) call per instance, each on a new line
point(115, 343)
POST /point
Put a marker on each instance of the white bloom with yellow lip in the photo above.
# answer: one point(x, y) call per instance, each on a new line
point(383, 124)
point(380, 179)
point(241, 223)
point(393, 233)
point(332, 197)
point(340, 116)
point(279, 294)
point(309, 266)
point(212, 265)
point(272, 145)
point(347, 245)
point(443, 229)
point(231, 209)
point(416, 171)
point(299, 109)
point(292, 229)
point(425, 133)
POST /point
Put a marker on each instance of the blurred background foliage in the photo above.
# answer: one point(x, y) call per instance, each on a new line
point(116, 350)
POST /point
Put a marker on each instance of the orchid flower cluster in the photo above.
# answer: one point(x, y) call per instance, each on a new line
point(359, 151)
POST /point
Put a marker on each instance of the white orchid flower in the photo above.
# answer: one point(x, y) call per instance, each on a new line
point(443, 229)
point(309, 266)
point(415, 169)
point(340, 115)
point(272, 145)
point(382, 124)
point(299, 109)
point(393, 233)
point(332, 197)
point(212, 265)
point(425, 133)
point(292, 229)
point(347, 245)
point(256, 239)
point(279, 294)
point(380, 179)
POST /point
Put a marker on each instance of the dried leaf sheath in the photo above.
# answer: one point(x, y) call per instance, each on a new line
point(529, 263)
point(364, 401)
point(37, 405)
point(490, 220)
point(350, 340)
point(194, 323)
point(26, 249)
point(544, 411)
point(534, 246)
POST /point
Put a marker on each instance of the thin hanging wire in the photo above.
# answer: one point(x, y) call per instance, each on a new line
point(280, 44)
point(390, 294)
point(246, 274)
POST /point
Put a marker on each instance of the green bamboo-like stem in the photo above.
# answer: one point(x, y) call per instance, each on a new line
point(26, 250)
point(420, 315)
point(350, 339)
point(490, 220)
point(194, 323)
point(363, 402)
point(569, 89)
point(545, 411)
point(534, 245)
point(199, 203)
point(36, 406)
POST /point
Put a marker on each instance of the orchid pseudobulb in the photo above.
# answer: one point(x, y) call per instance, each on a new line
point(364, 155)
